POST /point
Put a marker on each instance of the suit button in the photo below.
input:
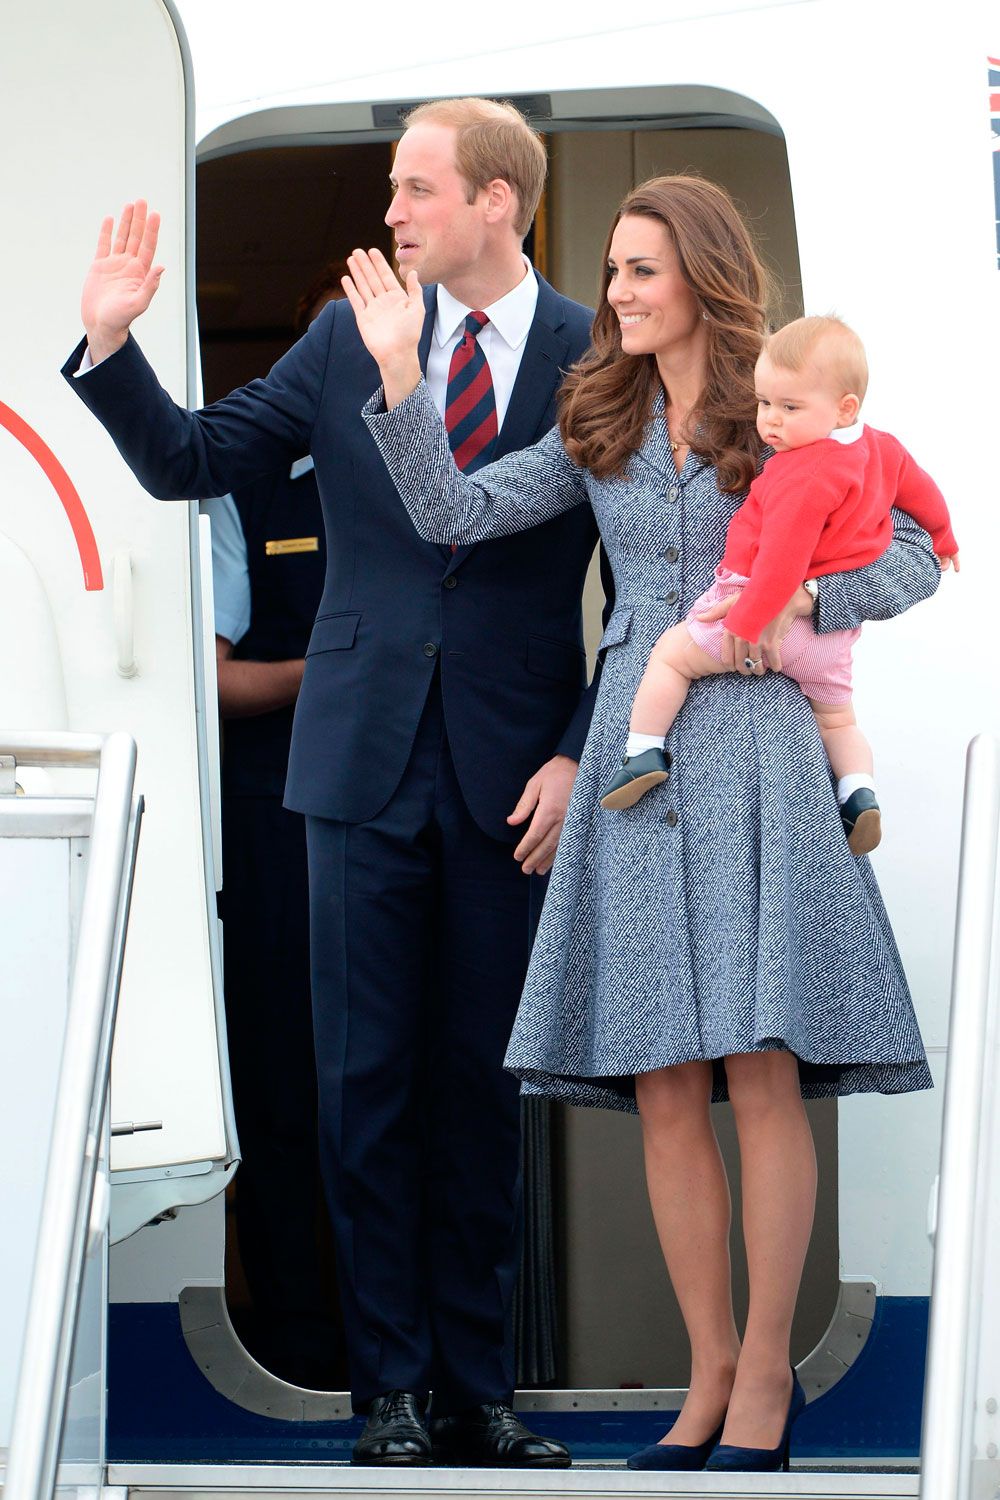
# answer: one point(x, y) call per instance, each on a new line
point(672, 818)
point(430, 649)
point(672, 597)
point(671, 554)
point(451, 581)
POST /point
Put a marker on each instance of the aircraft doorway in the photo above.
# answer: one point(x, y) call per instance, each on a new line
point(269, 218)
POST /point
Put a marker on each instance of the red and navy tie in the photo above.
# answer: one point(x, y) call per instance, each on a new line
point(471, 411)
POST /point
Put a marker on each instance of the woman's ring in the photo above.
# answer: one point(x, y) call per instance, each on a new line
point(752, 665)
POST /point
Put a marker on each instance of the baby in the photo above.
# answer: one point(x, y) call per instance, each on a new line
point(821, 505)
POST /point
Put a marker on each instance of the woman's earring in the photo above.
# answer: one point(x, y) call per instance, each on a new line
point(704, 315)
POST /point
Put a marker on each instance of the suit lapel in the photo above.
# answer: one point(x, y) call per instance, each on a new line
point(430, 313)
point(539, 373)
point(423, 352)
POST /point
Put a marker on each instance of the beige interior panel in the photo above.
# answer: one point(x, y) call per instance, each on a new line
point(590, 173)
point(753, 167)
point(621, 1325)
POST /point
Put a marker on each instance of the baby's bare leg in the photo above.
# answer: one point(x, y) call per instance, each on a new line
point(846, 747)
point(674, 663)
point(851, 759)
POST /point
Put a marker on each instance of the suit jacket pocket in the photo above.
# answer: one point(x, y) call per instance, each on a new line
point(557, 659)
point(333, 633)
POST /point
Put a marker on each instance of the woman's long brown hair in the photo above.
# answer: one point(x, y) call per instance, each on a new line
point(607, 399)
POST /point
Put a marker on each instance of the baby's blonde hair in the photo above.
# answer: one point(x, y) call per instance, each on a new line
point(828, 343)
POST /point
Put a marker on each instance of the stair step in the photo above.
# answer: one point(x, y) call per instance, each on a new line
point(589, 1482)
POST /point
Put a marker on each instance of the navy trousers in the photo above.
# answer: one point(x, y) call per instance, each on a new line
point(420, 935)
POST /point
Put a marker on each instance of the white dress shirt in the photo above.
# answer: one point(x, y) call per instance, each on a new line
point(502, 340)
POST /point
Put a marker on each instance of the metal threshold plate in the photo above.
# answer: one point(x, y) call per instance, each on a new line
point(160, 1481)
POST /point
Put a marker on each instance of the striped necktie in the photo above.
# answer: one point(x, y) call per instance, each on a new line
point(470, 411)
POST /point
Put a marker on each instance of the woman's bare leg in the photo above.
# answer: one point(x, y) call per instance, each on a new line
point(689, 1195)
point(674, 663)
point(779, 1198)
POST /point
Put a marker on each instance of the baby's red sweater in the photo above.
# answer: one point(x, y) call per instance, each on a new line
point(822, 509)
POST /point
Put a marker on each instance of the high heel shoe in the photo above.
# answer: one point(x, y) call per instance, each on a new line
point(762, 1459)
point(675, 1456)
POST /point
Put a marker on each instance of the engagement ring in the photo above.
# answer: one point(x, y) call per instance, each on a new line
point(752, 665)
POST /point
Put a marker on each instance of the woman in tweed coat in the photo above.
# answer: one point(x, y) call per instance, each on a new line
point(718, 939)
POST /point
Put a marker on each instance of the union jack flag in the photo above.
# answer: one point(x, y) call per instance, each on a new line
point(994, 92)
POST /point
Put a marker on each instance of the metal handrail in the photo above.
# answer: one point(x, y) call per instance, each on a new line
point(40, 1405)
point(72, 750)
point(954, 1333)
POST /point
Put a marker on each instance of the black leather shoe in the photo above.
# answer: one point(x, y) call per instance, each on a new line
point(394, 1432)
point(491, 1436)
point(637, 775)
point(862, 821)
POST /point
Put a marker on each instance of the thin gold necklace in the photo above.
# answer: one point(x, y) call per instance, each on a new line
point(674, 446)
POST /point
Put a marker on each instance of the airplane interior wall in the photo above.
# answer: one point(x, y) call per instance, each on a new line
point(268, 222)
point(616, 1328)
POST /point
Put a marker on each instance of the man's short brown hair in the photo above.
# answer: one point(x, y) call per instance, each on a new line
point(493, 140)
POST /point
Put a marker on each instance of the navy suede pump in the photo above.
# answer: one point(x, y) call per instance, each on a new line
point(676, 1456)
point(762, 1460)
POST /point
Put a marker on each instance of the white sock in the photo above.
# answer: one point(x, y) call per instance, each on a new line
point(637, 743)
point(848, 785)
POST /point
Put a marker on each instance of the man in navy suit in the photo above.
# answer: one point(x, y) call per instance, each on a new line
point(441, 715)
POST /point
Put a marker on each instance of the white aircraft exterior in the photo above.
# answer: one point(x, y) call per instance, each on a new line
point(860, 135)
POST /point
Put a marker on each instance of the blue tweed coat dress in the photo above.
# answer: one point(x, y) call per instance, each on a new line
point(723, 913)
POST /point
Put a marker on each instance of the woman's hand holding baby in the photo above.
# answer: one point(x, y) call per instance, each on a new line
point(390, 320)
point(736, 652)
point(771, 637)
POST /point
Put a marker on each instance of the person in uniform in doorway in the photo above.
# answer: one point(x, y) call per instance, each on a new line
point(268, 565)
point(442, 713)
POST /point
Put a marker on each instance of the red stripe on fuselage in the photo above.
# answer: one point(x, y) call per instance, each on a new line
point(60, 481)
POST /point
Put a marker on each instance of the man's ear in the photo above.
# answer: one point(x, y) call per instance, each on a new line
point(499, 200)
point(848, 409)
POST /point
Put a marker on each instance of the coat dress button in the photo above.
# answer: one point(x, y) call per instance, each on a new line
point(430, 649)
point(672, 597)
point(451, 581)
point(671, 554)
point(674, 492)
point(672, 818)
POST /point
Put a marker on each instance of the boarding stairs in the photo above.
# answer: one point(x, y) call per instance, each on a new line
point(963, 1377)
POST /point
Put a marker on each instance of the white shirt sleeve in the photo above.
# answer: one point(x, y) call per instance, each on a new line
point(230, 568)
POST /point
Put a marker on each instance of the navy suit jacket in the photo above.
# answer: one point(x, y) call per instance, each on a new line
point(502, 620)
